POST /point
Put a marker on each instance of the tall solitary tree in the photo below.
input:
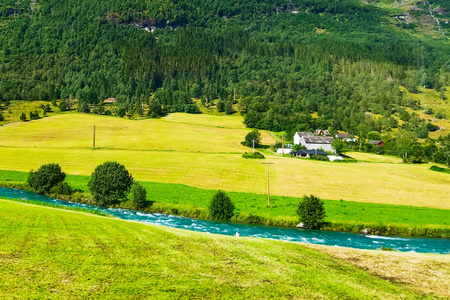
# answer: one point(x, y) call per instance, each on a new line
point(311, 212)
point(110, 183)
point(221, 208)
point(253, 135)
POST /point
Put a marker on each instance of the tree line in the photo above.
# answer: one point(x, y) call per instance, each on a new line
point(335, 60)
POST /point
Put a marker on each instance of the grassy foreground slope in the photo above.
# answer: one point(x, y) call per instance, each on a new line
point(204, 152)
point(46, 252)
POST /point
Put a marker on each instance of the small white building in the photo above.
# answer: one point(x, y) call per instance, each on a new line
point(312, 142)
point(335, 157)
point(286, 151)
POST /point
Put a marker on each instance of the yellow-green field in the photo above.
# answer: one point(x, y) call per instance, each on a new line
point(178, 132)
point(204, 151)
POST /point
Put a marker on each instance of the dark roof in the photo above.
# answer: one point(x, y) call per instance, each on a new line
point(322, 132)
point(318, 139)
point(342, 135)
point(304, 133)
point(376, 142)
point(310, 152)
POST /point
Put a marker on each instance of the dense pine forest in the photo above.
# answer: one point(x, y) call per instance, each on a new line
point(285, 65)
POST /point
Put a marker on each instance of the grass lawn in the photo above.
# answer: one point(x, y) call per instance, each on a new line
point(178, 150)
point(374, 158)
point(46, 252)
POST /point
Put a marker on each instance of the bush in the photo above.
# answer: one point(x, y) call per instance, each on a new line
point(23, 117)
point(62, 106)
point(110, 183)
point(221, 208)
point(46, 177)
point(62, 188)
point(319, 157)
point(121, 112)
point(311, 211)
point(138, 196)
point(257, 155)
point(439, 169)
point(2, 118)
point(192, 109)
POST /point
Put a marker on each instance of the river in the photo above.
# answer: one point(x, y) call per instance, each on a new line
point(330, 238)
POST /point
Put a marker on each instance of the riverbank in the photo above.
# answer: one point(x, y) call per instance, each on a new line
point(438, 229)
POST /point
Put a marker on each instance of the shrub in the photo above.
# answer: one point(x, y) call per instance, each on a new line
point(2, 118)
point(121, 112)
point(62, 188)
point(192, 109)
point(229, 108)
point(440, 115)
point(46, 177)
point(138, 196)
point(34, 115)
point(319, 157)
point(439, 169)
point(311, 212)
point(220, 106)
point(62, 106)
point(221, 208)
point(257, 155)
point(110, 183)
point(23, 117)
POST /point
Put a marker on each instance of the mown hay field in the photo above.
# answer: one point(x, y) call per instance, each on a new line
point(51, 253)
point(205, 152)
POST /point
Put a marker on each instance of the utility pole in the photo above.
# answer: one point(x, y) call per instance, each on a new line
point(282, 137)
point(94, 136)
point(268, 182)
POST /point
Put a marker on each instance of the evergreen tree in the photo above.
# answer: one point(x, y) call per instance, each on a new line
point(221, 208)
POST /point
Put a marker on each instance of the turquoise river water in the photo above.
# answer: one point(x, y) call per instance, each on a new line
point(330, 238)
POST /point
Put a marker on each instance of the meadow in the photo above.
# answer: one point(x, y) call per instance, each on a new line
point(51, 253)
point(205, 152)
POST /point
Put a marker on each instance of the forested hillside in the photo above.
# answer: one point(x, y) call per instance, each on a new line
point(284, 61)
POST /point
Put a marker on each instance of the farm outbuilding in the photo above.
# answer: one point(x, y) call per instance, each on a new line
point(312, 142)
point(376, 143)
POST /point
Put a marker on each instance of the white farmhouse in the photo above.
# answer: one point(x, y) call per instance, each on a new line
point(312, 142)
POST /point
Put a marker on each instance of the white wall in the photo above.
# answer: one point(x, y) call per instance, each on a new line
point(325, 147)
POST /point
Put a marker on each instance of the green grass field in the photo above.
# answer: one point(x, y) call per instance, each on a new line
point(205, 152)
point(50, 253)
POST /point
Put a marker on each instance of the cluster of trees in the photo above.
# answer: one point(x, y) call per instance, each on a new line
point(110, 184)
point(278, 64)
